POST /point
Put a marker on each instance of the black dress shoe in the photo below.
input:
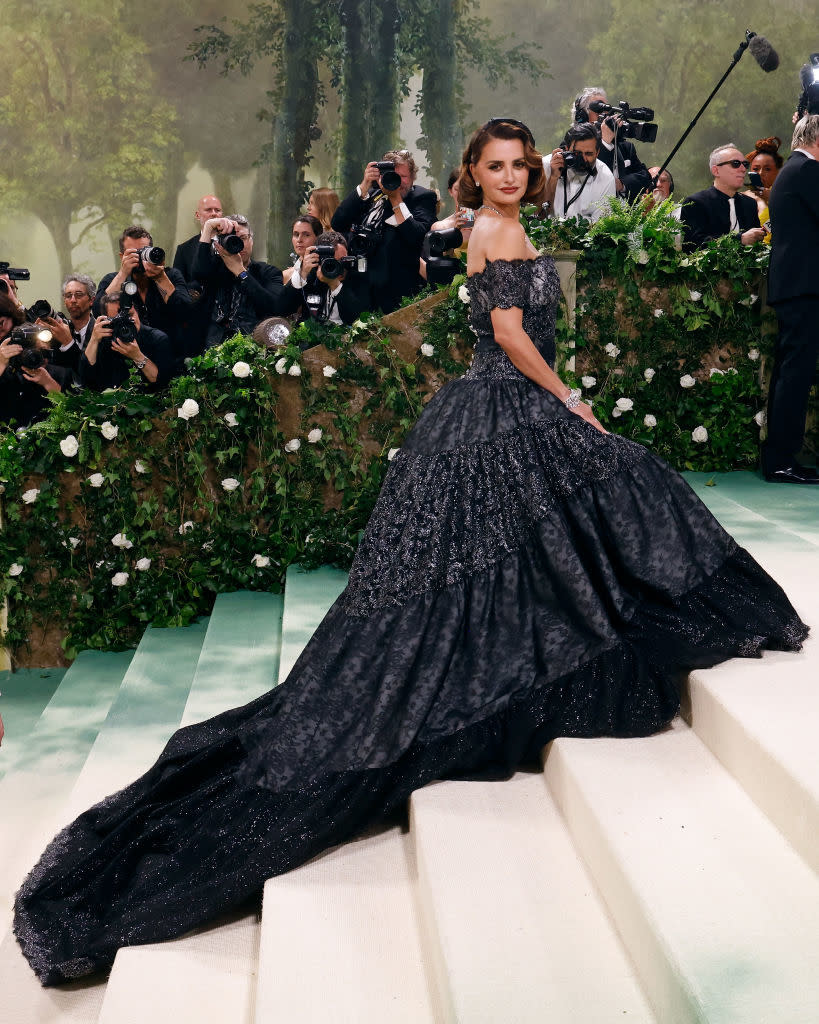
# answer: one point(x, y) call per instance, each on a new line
point(794, 474)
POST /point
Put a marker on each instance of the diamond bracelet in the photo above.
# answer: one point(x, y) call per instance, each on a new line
point(573, 399)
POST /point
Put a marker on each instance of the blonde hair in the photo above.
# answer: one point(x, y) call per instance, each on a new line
point(326, 202)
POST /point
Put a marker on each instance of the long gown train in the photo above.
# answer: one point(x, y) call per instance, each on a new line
point(522, 577)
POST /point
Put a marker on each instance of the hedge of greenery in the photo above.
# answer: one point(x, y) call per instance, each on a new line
point(125, 508)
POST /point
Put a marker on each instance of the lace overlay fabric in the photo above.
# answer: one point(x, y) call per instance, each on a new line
point(522, 577)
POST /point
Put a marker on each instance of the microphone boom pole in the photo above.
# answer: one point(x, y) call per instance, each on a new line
point(743, 46)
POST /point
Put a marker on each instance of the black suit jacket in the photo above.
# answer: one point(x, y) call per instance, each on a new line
point(112, 369)
point(794, 206)
point(706, 215)
point(631, 170)
point(184, 259)
point(392, 267)
point(351, 303)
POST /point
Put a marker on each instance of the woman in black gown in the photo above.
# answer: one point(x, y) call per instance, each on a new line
point(524, 575)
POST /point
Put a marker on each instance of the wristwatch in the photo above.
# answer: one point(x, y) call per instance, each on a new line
point(141, 364)
point(243, 276)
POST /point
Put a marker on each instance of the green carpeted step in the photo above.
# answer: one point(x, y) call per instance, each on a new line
point(308, 597)
point(240, 654)
point(144, 714)
point(25, 693)
point(43, 774)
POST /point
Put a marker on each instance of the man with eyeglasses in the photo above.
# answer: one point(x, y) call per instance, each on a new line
point(70, 334)
point(721, 209)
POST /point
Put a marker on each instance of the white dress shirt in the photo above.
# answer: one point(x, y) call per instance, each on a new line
point(592, 201)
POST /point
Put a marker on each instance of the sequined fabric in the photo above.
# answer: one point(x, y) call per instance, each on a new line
point(523, 577)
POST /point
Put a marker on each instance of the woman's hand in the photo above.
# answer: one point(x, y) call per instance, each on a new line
point(585, 413)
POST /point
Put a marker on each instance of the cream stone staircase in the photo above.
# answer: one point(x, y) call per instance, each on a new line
point(666, 879)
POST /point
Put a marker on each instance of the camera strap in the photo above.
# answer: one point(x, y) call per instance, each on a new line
point(568, 202)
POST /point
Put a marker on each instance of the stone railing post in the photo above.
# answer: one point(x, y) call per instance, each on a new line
point(566, 263)
point(5, 657)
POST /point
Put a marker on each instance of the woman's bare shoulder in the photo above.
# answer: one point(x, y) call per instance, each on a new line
point(496, 238)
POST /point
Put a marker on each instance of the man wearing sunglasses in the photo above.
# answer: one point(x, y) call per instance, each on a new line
point(721, 209)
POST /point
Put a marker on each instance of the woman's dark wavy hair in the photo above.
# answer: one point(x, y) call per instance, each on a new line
point(769, 146)
point(469, 193)
point(9, 308)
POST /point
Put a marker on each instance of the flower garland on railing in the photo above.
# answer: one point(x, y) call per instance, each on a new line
point(125, 508)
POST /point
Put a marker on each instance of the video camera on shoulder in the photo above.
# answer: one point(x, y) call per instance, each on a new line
point(13, 273)
point(635, 120)
point(331, 267)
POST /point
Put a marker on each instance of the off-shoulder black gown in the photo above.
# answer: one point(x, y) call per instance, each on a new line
point(522, 577)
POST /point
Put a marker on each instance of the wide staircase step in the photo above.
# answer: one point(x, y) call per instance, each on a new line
point(25, 694)
point(208, 975)
point(307, 599)
point(714, 906)
point(517, 930)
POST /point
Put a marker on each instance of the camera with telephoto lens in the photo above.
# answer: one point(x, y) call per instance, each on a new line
point(39, 310)
point(362, 242)
point(442, 269)
point(32, 357)
point(331, 267)
point(151, 254)
point(634, 120)
point(390, 179)
point(440, 241)
point(575, 160)
point(122, 326)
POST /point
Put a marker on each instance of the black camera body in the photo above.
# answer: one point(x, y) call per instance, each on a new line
point(332, 268)
point(32, 357)
point(440, 241)
point(575, 160)
point(642, 131)
point(634, 122)
point(151, 254)
point(14, 273)
point(390, 179)
point(230, 242)
point(39, 310)
point(122, 326)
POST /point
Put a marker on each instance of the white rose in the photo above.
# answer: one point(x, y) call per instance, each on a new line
point(30, 496)
point(260, 561)
point(616, 413)
point(463, 293)
point(293, 445)
point(231, 419)
point(189, 409)
point(761, 418)
point(685, 262)
point(392, 453)
point(625, 404)
point(241, 369)
point(208, 545)
point(612, 350)
point(649, 374)
point(69, 446)
point(658, 313)
point(695, 296)
point(119, 540)
point(230, 483)
point(144, 564)
point(315, 435)
point(427, 349)
point(753, 354)
point(588, 382)
point(716, 372)
point(687, 381)
point(699, 434)
point(642, 256)
point(650, 421)
point(140, 466)
point(109, 431)
point(15, 569)
point(74, 542)
point(329, 371)
point(749, 300)
point(186, 527)
point(280, 365)
point(96, 479)
point(119, 579)
point(295, 370)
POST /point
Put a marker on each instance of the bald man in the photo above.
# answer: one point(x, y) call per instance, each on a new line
point(206, 208)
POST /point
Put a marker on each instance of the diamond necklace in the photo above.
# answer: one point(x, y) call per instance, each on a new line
point(486, 206)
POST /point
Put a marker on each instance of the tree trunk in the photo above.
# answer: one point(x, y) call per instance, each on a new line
point(58, 221)
point(439, 115)
point(259, 205)
point(355, 150)
point(384, 80)
point(223, 189)
point(164, 210)
point(292, 131)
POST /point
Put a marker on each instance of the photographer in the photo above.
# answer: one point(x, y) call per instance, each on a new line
point(618, 153)
point(326, 286)
point(306, 230)
point(578, 184)
point(162, 299)
point(385, 219)
point(120, 340)
point(239, 292)
point(69, 334)
point(27, 375)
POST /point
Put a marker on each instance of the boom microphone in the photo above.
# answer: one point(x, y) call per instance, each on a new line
point(762, 52)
